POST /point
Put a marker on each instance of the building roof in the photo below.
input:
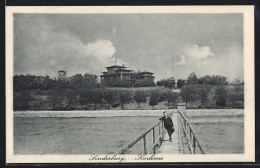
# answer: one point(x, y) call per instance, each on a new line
point(115, 66)
point(122, 69)
point(125, 70)
point(145, 72)
point(111, 74)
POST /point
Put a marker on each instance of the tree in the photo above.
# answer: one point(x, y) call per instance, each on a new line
point(213, 80)
point(62, 84)
point(180, 83)
point(56, 98)
point(140, 97)
point(110, 97)
point(23, 82)
point(188, 93)
point(84, 97)
point(58, 94)
point(144, 83)
point(153, 99)
point(89, 81)
point(203, 92)
point(219, 80)
point(220, 96)
point(169, 82)
point(205, 80)
point(76, 81)
point(236, 82)
point(236, 100)
point(71, 95)
point(236, 96)
point(192, 79)
point(96, 97)
point(171, 97)
point(124, 97)
point(48, 82)
point(21, 101)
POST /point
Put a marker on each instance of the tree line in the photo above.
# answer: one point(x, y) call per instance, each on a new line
point(201, 88)
point(33, 82)
point(79, 91)
point(91, 99)
point(193, 79)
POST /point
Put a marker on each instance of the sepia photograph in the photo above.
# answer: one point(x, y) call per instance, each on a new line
point(130, 84)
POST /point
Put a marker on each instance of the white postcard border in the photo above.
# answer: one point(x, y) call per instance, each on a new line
point(249, 134)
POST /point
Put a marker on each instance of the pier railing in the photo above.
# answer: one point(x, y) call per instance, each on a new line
point(191, 137)
point(156, 141)
point(185, 128)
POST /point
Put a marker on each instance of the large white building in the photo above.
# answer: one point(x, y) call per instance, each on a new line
point(120, 73)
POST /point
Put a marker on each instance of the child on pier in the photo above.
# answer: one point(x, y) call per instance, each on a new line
point(168, 124)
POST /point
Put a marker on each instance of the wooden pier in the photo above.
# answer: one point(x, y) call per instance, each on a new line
point(174, 147)
point(184, 138)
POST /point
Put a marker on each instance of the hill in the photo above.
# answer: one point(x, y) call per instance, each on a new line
point(143, 98)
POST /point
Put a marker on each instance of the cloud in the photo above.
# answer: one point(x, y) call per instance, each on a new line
point(103, 51)
point(100, 49)
point(182, 61)
point(118, 61)
point(45, 43)
point(229, 64)
point(41, 49)
point(178, 59)
point(198, 52)
point(114, 31)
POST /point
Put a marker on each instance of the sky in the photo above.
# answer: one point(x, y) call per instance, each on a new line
point(165, 44)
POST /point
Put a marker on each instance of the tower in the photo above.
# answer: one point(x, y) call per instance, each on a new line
point(62, 75)
point(173, 74)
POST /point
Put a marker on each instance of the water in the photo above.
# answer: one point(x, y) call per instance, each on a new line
point(219, 131)
point(77, 135)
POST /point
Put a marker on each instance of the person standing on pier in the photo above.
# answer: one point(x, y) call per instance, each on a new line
point(168, 124)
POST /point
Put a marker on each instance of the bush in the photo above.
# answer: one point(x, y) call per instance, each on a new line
point(117, 104)
point(145, 83)
point(202, 92)
point(124, 97)
point(220, 96)
point(180, 83)
point(140, 97)
point(188, 93)
point(153, 98)
point(169, 82)
point(21, 101)
point(110, 97)
point(95, 96)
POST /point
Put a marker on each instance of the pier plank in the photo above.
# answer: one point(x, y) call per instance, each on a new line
point(167, 146)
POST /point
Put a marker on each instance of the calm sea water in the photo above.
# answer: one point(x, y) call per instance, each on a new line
point(76, 135)
point(220, 134)
point(34, 135)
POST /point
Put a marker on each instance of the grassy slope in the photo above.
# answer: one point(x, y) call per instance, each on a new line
point(211, 102)
point(42, 101)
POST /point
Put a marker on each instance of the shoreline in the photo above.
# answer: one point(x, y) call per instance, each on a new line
point(91, 114)
point(123, 113)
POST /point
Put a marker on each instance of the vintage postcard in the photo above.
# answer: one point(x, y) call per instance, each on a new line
point(130, 84)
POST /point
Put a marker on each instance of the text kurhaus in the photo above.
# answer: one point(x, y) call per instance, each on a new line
point(146, 157)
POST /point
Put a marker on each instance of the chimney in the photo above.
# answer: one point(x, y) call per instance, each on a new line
point(123, 65)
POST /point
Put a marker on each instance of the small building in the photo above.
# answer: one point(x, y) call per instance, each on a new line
point(145, 75)
point(62, 75)
point(125, 76)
